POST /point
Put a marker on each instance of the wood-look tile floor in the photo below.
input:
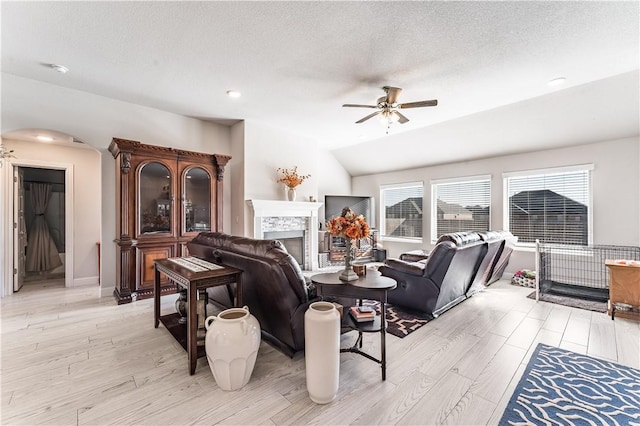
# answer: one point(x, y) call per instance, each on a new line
point(71, 358)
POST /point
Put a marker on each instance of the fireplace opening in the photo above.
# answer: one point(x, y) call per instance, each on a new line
point(293, 241)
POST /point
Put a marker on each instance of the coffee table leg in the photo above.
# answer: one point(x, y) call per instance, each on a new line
point(383, 339)
point(192, 352)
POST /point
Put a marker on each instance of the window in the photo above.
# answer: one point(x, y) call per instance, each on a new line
point(402, 210)
point(550, 205)
point(462, 204)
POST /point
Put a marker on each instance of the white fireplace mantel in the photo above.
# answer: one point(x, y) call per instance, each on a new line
point(274, 208)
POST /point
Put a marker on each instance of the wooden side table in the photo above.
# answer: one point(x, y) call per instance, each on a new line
point(193, 277)
point(372, 286)
point(624, 288)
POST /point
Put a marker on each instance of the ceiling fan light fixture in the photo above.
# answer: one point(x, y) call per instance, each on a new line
point(388, 107)
point(388, 117)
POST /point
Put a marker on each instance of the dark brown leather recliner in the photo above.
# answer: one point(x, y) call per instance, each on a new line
point(501, 259)
point(495, 241)
point(433, 285)
point(274, 288)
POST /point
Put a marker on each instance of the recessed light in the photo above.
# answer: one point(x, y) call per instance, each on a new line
point(557, 81)
point(60, 68)
point(43, 138)
point(233, 93)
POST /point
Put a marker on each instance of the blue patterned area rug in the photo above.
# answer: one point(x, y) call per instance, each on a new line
point(560, 387)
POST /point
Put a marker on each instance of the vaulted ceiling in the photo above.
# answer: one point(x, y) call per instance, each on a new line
point(296, 63)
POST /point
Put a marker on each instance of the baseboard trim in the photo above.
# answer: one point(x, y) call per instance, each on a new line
point(106, 291)
point(78, 282)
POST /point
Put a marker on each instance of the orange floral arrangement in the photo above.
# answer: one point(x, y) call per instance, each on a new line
point(349, 225)
point(291, 178)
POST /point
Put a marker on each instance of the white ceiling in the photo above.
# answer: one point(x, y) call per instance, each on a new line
point(296, 63)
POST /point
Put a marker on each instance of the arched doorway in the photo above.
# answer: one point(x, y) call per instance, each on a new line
point(71, 171)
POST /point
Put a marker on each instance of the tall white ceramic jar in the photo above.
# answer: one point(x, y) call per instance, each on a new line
point(322, 351)
point(231, 344)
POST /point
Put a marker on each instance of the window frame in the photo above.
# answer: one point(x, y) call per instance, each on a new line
point(544, 172)
point(434, 201)
point(383, 216)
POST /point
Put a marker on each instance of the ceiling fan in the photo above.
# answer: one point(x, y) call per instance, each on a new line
point(388, 107)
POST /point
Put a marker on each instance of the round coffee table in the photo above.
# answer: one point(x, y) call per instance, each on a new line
point(372, 286)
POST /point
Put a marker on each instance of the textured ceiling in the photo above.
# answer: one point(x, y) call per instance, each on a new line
point(296, 63)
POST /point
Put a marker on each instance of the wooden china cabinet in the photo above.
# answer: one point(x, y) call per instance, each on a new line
point(164, 197)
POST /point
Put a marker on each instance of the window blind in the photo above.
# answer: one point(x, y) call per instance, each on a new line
point(460, 205)
point(402, 210)
point(551, 207)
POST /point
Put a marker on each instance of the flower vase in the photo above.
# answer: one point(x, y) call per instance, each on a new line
point(291, 194)
point(348, 274)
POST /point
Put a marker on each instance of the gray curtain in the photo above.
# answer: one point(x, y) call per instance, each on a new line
point(42, 254)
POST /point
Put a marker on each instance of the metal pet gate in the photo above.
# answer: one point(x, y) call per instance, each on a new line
point(577, 271)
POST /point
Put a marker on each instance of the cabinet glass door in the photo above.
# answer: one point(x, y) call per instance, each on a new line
point(197, 200)
point(155, 199)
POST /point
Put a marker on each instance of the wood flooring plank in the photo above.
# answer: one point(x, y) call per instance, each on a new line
point(557, 319)
point(577, 330)
point(400, 366)
point(126, 407)
point(390, 405)
point(501, 405)
point(494, 378)
point(540, 311)
point(477, 319)
point(36, 406)
point(547, 337)
point(479, 356)
point(470, 410)
point(525, 333)
point(346, 409)
point(573, 347)
point(432, 409)
point(628, 342)
point(602, 337)
point(447, 355)
point(507, 325)
point(353, 383)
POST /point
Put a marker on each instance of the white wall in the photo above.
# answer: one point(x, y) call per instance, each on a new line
point(616, 198)
point(335, 180)
point(267, 148)
point(96, 120)
point(86, 199)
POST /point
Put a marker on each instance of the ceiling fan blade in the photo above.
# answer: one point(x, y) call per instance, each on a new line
point(368, 117)
point(392, 94)
point(359, 106)
point(419, 104)
point(401, 118)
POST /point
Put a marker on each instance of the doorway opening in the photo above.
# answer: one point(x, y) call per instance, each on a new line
point(40, 218)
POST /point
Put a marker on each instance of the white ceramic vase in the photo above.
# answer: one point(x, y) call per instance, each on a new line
point(291, 194)
point(322, 351)
point(231, 344)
